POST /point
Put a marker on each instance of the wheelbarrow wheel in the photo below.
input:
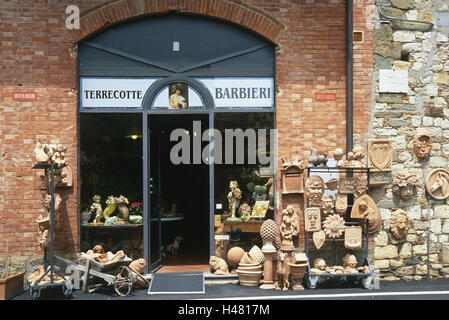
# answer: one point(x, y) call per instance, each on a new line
point(124, 282)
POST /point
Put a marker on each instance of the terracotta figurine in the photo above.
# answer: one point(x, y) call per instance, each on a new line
point(96, 208)
point(283, 273)
point(219, 265)
point(405, 184)
point(234, 197)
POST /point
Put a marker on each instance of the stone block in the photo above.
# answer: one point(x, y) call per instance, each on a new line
point(411, 238)
point(406, 250)
point(420, 250)
point(405, 271)
point(387, 252)
point(444, 253)
point(404, 36)
point(397, 263)
point(435, 226)
point(382, 264)
point(402, 4)
point(381, 239)
point(421, 269)
point(441, 211)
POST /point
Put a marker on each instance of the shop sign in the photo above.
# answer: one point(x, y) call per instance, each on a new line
point(325, 96)
point(128, 93)
point(241, 92)
point(113, 93)
point(393, 81)
point(24, 96)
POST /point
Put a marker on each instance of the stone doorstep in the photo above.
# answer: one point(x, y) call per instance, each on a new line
point(210, 278)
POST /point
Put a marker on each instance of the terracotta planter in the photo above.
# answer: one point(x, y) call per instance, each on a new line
point(250, 267)
point(249, 278)
point(297, 271)
point(11, 286)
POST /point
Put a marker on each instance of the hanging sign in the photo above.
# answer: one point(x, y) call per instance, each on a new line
point(24, 96)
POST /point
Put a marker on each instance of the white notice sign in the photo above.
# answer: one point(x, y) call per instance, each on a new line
point(394, 81)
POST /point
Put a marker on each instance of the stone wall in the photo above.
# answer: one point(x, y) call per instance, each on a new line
point(424, 251)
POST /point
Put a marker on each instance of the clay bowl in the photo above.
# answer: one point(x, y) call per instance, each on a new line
point(256, 254)
point(249, 278)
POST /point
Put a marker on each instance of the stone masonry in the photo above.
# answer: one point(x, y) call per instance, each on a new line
point(424, 52)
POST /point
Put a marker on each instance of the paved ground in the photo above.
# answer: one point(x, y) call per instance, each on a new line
point(425, 289)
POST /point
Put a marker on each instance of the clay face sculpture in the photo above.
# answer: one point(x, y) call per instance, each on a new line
point(360, 186)
point(319, 266)
point(404, 184)
point(319, 238)
point(365, 208)
point(437, 184)
point(353, 237)
point(312, 219)
point(218, 265)
point(234, 197)
point(400, 223)
point(328, 205)
point(341, 203)
point(46, 202)
point(314, 190)
point(380, 155)
point(334, 226)
point(422, 143)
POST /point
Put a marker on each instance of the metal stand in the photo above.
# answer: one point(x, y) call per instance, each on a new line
point(35, 288)
point(364, 279)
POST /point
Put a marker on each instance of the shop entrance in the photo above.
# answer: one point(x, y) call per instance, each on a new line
point(179, 197)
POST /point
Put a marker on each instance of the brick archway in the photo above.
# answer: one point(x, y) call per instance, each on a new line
point(122, 10)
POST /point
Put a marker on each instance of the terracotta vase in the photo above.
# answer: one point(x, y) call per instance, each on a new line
point(11, 286)
point(297, 271)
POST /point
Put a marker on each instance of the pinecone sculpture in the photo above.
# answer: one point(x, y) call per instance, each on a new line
point(269, 230)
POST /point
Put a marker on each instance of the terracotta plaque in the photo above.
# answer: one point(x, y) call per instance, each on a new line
point(292, 180)
point(365, 208)
point(341, 203)
point(380, 155)
point(346, 185)
point(318, 239)
point(353, 237)
point(312, 219)
point(437, 184)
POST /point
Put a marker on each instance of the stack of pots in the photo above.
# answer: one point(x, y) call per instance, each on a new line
point(249, 271)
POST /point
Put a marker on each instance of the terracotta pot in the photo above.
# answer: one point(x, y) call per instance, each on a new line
point(234, 256)
point(256, 254)
point(249, 267)
point(297, 271)
point(11, 286)
point(249, 278)
point(246, 259)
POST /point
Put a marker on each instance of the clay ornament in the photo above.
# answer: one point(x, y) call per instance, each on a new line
point(347, 185)
point(400, 223)
point(353, 237)
point(334, 226)
point(234, 197)
point(405, 184)
point(360, 186)
point(365, 208)
point(437, 184)
point(317, 160)
point(328, 205)
point(380, 155)
point(312, 219)
point(269, 232)
point(341, 203)
point(350, 263)
point(319, 238)
point(283, 273)
point(219, 266)
point(422, 143)
point(314, 190)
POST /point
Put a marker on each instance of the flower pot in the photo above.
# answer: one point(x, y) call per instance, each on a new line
point(297, 271)
point(250, 267)
point(249, 278)
point(11, 286)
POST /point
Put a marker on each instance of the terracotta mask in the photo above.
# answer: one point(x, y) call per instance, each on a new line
point(422, 143)
point(315, 190)
point(404, 184)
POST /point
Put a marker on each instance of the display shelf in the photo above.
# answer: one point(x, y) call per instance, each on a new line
point(365, 279)
point(49, 264)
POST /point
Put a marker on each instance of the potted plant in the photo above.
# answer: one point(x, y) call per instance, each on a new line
point(135, 213)
point(11, 285)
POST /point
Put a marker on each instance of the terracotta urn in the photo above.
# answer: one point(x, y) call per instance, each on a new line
point(297, 271)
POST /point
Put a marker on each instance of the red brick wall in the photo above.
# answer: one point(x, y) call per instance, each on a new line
point(37, 54)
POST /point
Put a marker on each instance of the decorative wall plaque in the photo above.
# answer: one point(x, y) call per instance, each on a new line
point(353, 237)
point(292, 179)
point(380, 155)
point(405, 184)
point(400, 223)
point(422, 143)
point(346, 185)
point(365, 208)
point(334, 226)
point(437, 184)
point(319, 237)
point(360, 186)
point(312, 219)
point(341, 203)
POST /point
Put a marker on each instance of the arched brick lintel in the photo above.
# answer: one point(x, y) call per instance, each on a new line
point(122, 10)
